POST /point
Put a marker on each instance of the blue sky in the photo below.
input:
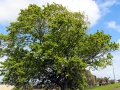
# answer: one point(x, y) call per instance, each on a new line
point(103, 15)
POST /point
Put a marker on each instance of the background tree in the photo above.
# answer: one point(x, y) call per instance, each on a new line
point(90, 78)
point(100, 81)
point(118, 80)
point(51, 44)
point(112, 81)
point(106, 79)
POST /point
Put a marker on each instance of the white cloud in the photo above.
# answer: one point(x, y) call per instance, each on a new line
point(119, 41)
point(105, 6)
point(113, 25)
point(88, 6)
point(9, 9)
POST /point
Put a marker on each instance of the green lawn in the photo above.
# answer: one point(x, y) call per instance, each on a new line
point(106, 87)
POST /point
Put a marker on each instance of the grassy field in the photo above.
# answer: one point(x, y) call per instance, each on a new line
point(106, 87)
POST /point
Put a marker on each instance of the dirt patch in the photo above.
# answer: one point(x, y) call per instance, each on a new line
point(6, 87)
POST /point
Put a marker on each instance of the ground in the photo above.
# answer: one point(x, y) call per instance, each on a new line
point(5, 87)
point(116, 89)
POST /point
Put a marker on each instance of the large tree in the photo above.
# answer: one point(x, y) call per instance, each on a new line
point(51, 44)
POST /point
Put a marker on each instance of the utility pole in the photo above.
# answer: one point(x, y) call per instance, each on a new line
point(113, 72)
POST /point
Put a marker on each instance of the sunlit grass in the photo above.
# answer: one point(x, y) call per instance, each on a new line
point(106, 87)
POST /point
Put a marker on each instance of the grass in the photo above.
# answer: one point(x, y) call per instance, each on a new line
point(106, 87)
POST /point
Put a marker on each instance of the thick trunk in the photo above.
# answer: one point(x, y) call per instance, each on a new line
point(64, 86)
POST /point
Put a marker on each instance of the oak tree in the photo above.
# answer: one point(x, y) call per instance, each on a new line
point(50, 44)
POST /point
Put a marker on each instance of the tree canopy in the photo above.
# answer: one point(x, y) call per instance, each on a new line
point(51, 44)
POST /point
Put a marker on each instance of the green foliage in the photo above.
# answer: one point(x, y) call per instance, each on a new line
point(52, 42)
point(106, 79)
point(112, 81)
point(91, 79)
point(27, 87)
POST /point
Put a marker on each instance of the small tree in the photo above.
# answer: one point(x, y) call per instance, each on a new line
point(112, 81)
point(90, 78)
point(118, 80)
point(51, 44)
point(106, 79)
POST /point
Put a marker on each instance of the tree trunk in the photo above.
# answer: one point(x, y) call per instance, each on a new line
point(64, 86)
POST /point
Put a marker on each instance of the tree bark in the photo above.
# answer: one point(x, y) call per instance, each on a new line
point(64, 86)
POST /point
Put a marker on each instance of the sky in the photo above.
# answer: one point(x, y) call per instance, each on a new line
point(103, 15)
